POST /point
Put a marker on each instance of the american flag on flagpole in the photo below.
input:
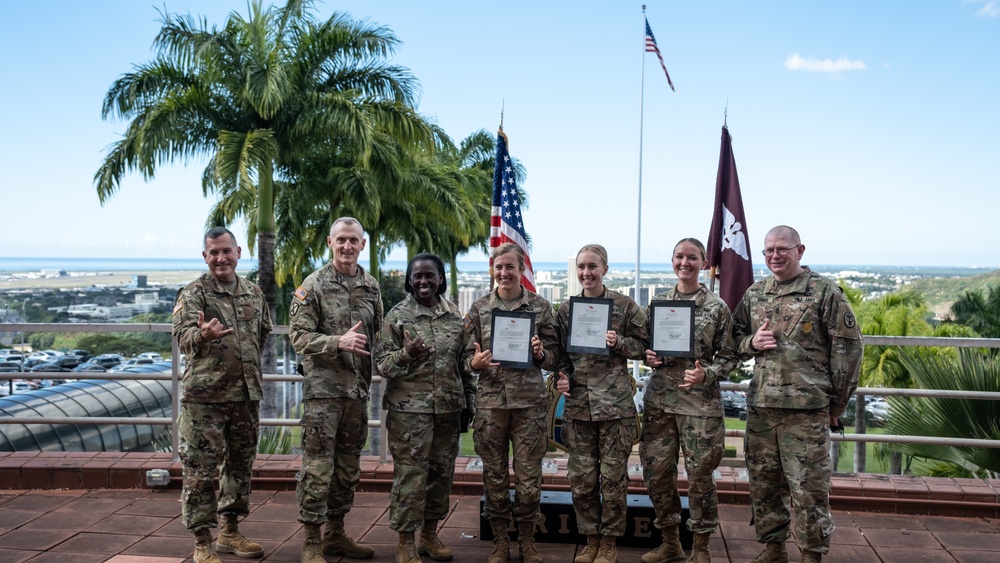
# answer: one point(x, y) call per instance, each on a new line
point(652, 48)
point(506, 222)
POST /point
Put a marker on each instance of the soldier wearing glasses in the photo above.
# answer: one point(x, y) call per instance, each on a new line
point(802, 334)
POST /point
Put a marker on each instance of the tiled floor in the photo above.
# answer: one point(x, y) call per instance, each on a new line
point(143, 526)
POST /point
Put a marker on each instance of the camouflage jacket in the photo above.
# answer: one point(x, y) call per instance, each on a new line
point(227, 369)
point(437, 383)
point(504, 387)
point(323, 308)
point(818, 358)
point(714, 349)
point(600, 387)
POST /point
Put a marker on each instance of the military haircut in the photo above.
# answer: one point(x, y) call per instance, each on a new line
point(597, 249)
point(216, 232)
point(507, 248)
point(348, 221)
point(785, 229)
point(443, 287)
point(693, 241)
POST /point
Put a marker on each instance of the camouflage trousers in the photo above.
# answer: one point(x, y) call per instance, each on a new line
point(598, 469)
point(216, 439)
point(333, 433)
point(788, 459)
point(525, 430)
point(423, 448)
point(703, 442)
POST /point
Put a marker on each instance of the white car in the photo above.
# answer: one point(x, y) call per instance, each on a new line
point(134, 362)
point(150, 356)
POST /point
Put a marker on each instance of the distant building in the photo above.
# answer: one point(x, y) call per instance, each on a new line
point(551, 293)
point(138, 281)
point(53, 273)
point(468, 295)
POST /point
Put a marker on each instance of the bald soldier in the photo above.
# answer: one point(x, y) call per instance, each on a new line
point(806, 345)
point(221, 322)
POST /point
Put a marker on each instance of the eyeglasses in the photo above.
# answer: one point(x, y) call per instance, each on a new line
point(778, 250)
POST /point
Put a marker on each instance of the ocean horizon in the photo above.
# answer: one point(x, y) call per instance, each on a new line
point(21, 265)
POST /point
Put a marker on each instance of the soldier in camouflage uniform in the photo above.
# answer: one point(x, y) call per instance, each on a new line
point(682, 410)
point(511, 405)
point(221, 322)
point(334, 318)
point(420, 351)
point(802, 334)
point(599, 418)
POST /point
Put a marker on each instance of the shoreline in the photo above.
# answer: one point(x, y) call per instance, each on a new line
point(111, 280)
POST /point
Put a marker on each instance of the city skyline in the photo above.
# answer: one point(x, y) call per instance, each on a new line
point(870, 127)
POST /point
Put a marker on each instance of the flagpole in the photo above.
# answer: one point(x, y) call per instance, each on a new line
point(638, 220)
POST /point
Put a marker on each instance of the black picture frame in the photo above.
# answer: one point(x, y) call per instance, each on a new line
point(575, 305)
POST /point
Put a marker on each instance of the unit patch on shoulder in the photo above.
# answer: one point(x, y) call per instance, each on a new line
point(301, 293)
point(849, 320)
point(177, 307)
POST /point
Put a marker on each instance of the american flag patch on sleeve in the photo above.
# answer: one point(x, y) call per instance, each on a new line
point(301, 293)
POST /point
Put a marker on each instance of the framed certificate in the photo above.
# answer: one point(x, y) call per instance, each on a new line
point(589, 323)
point(672, 328)
point(511, 338)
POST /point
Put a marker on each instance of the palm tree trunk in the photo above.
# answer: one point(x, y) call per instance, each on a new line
point(373, 264)
point(453, 282)
point(266, 282)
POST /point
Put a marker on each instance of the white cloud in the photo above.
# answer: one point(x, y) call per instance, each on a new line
point(990, 9)
point(796, 62)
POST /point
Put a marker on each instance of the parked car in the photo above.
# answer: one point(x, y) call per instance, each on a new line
point(12, 357)
point(134, 362)
point(733, 404)
point(150, 356)
point(67, 361)
point(849, 412)
point(879, 411)
point(90, 367)
point(49, 367)
point(108, 361)
point(9, 367)
point(32, 362)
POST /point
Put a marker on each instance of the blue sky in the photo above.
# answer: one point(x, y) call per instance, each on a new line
point(872, 127)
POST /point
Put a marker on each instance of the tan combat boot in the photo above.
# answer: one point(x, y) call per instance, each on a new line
point(699, 549)
point(774, 553)
point(811, 557)
point(608, 552)
point(406, 551)
point(430, 543)
point(336, 542)
point(589, 552)
point(203, 550)
point(501, 542)
point(232, 541)
point(526, 543)
point(312, 547)
point(669, 550)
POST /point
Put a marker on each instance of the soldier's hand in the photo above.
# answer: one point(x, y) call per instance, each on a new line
point(652, 360)
point(764, 339)
point(562, 384)
point(537, 349)
point(213, 329)
point(694, 376)
point(482, 359)
point(354, 341)
point(611, 338)
point(415, 347)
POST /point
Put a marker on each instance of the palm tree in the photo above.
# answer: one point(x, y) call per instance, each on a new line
point(970, 370)
point(255, 96)
point(978, 312)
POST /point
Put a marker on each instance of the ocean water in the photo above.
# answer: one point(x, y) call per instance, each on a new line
point(12, 265)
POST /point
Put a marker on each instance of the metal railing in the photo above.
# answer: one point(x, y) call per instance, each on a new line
point(174, 377)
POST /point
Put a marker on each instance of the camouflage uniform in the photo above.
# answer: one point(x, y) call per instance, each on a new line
point(599, 418)
point(691, 420)
point(795, 390)
point(220, 397)
point(335, 388)
point(423, 400)
point(511, 405)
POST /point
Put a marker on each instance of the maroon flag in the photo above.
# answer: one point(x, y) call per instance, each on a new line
point(728, 240)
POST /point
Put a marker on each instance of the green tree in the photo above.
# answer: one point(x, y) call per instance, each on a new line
point(255, 97)
point(979, 312)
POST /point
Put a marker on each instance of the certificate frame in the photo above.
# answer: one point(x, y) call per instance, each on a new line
point(513, 352)
point(580, 339)
point(671, 328)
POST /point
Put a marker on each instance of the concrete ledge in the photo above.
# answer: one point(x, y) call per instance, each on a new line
point(902, 494)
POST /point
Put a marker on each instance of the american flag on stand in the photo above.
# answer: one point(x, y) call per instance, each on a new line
point(506, 222)
point(652, 48)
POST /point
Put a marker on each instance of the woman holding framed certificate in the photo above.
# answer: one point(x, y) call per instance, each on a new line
point(511, 338)
point(428, 399)
point(600, 330)
point(682, 406)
